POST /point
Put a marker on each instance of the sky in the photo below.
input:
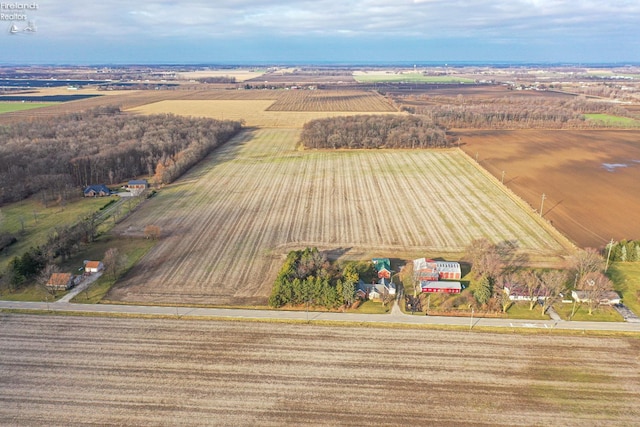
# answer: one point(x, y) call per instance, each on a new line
point(311, 31)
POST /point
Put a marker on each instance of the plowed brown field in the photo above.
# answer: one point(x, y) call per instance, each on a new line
point(107, 371)
point(228, 223)
point(591, 179)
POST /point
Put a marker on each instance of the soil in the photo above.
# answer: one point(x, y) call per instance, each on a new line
point(590, 178)
point(59, 370)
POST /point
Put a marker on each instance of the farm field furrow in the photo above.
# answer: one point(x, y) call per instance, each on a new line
point(230, 221)
point(59, 370)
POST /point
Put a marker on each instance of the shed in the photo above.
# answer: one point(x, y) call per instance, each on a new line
point(93, 266)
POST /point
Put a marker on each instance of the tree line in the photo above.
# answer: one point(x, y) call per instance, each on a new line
point(507, 112)
point(624, 251)
point(374, 131)
point(59, 155)
point(308, 277)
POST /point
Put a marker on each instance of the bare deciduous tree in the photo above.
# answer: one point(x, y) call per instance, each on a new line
point(485, 258)
point(45, 274)
point(553, 284)
point(113, 262)
point(586, 261)
point(595, 286)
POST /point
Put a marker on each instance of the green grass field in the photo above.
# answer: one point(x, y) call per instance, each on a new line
point(8, 107)
point(626, 277)
point(520, 310)
point(610, 120)
point(409, 78)
point(601, 314)
point(39, 222)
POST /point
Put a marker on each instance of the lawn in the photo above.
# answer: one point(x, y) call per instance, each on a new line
point(520, 310)
point(31, 223)
point(601, 314)
point(626, 279)
point(131, 249)
point(611, 120)
point(373, 307)
point(409, 78)
point(8, 107)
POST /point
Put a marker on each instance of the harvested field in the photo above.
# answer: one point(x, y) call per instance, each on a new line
point(229, 221)
point(239, 74)
point(270, 108)
point(189, 101)
point(254, 113)
point(590, 178)
point(332, 101)
point(109, 371)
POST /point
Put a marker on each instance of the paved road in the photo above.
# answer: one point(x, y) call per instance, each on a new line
point(395, 317)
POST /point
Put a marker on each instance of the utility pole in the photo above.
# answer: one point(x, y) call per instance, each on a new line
point(542, 203)
point(606, 266)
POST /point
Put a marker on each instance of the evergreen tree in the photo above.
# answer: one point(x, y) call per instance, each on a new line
point(484, 290)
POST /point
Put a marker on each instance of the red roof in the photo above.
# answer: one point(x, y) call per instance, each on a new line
point(59, 279)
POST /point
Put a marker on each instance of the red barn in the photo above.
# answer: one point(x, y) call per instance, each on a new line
point(430, 270)
point(441, 287)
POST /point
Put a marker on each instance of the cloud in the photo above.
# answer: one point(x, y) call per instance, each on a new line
point(424, 18)
point(354, 24)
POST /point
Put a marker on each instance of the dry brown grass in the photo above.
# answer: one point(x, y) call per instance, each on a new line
point(106, 371)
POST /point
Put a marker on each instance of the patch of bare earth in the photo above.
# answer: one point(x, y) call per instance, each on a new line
point(589, 178)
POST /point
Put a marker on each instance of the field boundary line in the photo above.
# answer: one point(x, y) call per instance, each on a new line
point(562, 240)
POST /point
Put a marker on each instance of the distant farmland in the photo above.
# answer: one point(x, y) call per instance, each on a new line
point(231, 219)
point(271, 108)
point(407, 77)
point(8, 107)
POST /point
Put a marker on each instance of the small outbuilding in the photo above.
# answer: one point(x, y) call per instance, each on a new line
point(93, 266)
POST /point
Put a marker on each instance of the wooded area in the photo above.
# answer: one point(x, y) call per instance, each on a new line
point(509, 112)
point(308, 277)
point(59, 155)
point(373, 131)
